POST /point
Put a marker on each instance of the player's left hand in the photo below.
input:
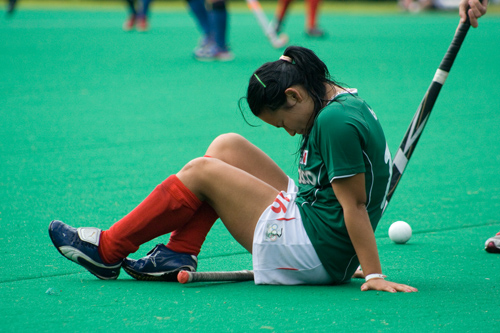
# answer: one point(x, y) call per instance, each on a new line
point(384, 285)
point(474, 8)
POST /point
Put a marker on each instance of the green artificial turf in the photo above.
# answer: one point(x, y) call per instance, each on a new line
point(92, 119)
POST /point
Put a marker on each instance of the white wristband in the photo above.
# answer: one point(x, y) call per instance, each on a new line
point(374, 276)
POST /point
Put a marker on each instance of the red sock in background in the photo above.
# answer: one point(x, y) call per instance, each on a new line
point(190, 237)
point(167, 208)
point(281, 10)
point(312, 12)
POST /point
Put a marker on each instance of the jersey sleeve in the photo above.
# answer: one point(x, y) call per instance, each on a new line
point(340, 142)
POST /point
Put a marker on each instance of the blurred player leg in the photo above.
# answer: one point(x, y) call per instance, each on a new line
point(312, 29)
point(199, 11)
point(219, 49)
point(219, 19)
point(11, 6)
point(280, 14)
point(143, 15)
point(130, 22)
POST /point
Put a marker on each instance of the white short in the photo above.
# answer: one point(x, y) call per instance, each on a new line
point(282, 251)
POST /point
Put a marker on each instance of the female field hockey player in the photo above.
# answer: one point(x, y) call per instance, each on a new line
point(316, 233)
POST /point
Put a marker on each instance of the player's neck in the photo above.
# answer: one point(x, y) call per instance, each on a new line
point(332, 90)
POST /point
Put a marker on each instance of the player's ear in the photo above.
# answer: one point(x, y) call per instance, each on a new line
point(294, 95)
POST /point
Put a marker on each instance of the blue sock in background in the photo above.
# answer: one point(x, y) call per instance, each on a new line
point(218, 17)
point(144, 7)
point(201, 15)
point(131, 5)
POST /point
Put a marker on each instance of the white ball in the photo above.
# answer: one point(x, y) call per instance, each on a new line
point(400, 232)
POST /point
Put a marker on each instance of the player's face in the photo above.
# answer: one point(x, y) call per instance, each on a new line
point(295, 116)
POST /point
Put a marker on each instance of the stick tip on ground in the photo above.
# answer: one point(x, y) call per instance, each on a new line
point(183, 277)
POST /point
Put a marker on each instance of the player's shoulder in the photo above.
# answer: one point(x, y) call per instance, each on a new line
point(348, 98)
point(340, 105)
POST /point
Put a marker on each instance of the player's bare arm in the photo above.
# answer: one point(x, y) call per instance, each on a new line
point(352, 196)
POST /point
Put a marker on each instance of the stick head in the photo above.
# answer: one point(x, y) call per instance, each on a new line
point(183, 277)
point(281, 41)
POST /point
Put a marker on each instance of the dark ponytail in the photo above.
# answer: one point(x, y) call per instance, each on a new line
point(266, 89)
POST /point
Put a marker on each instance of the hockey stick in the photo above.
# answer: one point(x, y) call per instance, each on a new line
point(188, 277)
point(412, 135)
point(276, 41)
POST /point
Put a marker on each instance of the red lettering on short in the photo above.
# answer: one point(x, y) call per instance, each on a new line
point(281, 207)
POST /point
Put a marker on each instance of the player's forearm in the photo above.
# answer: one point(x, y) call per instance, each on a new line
point(363, 239)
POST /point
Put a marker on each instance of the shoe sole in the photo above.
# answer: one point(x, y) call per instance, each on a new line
point(224, 59)
point(170, 276)
point(214, 58)
point(82, 259)
point(205, 59)
point(492, 248)
point(86, 262)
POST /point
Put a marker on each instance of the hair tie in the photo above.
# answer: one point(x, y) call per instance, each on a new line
point(259, 80)
point(286, 58)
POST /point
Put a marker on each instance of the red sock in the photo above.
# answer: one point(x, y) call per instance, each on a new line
point(190, 237)
point(167, 208)
point(312, 6)
point(281, 10)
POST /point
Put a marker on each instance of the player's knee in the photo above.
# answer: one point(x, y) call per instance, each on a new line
point(198, 175)
point(200, 168)
point(200, 172)
point(226, 144)
point(195, 166)
point(228, 139)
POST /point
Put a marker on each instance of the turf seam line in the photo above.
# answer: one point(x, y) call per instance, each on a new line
point(39, 277)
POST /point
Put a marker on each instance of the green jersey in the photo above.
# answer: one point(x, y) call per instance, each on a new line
point(346, 139)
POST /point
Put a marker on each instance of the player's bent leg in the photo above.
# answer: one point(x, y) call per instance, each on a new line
point(238, 197)
point(237, 151)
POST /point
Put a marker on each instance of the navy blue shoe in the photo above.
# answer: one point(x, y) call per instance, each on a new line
point(160, 264)
point(80, 245)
